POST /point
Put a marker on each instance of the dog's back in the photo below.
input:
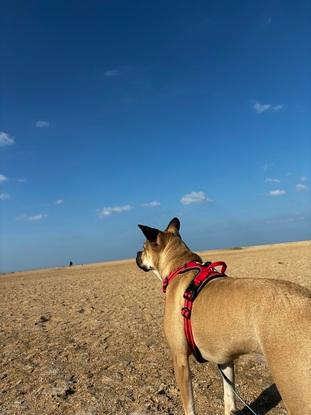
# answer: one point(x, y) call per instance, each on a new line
point(259, 315)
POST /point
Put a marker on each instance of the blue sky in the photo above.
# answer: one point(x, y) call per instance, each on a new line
point(114, 113)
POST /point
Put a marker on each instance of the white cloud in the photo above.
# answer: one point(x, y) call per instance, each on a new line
point(303, 178)
point(4, 196)
point(194, 197)
point(5, 139)
point(277, 192)
point(111, 73)
point(301, 187)
point(36, 218)
point(270, 180)
point(59, 202)
point(260, 108)
point(42, 124)
point(152, 204)
point(3, 178)
point(32, 218)
point(107, 211)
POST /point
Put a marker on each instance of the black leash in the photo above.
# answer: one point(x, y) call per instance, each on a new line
point(234, 391)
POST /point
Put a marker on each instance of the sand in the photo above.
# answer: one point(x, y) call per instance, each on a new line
point(89, 340)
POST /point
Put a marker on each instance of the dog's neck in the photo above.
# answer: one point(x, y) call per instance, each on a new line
point(173, 258)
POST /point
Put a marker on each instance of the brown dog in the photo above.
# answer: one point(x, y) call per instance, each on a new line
point(231, 317)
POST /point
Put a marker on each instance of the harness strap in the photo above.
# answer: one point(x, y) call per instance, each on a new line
point(187, 267)
point(205, 273)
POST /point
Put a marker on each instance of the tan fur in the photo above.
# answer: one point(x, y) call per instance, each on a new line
point(232, 317)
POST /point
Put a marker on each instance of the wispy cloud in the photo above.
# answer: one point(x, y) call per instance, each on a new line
point(151, 204)
point(107, 211)
point(300, 187)
point(271, 180)
point(3, 178)
point(111, 73)
point(277, 192)
point(42, 124)
point(303, 178)
point(59, 202)
point(4, 196)
point(260, 108)
point(194, 197)
point(36, 218)
point(5, 139)
point(277, 107)
point(124, 70)
point(32, 218)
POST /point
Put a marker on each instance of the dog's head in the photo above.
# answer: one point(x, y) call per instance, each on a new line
point(157, 245)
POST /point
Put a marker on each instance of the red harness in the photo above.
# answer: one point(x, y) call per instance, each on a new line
point(205, 273)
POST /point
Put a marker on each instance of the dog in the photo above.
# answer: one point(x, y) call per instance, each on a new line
point(232, 317)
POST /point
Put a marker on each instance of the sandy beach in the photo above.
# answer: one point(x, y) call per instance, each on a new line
point(88, 339)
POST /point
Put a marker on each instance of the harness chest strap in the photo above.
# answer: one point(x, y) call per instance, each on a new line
point(205, 273)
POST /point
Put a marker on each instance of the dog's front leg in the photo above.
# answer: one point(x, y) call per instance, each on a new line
point(183, 379)
point(229, 398)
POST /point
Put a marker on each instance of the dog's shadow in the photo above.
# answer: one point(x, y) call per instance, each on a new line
point(267, 400)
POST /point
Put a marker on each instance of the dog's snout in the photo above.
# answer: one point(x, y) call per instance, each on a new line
point(138, 258)
point(139, 262)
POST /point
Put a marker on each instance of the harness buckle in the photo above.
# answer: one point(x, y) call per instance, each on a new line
point(188, 295)
point(186, 312)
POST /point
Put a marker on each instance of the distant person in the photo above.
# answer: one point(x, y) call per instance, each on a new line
point(70, 263)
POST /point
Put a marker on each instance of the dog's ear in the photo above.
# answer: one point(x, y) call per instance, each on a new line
point(173, 226)
point(150, 233)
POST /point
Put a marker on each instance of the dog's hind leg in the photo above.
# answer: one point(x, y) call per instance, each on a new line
point(183, 379)
point(229, 398)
